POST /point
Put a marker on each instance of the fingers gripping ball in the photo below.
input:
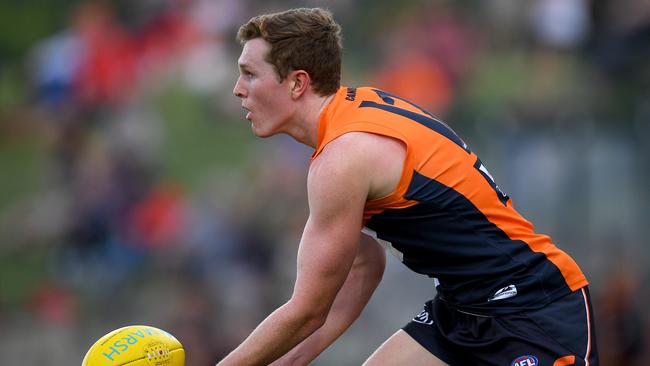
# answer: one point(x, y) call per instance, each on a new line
point(136, 345)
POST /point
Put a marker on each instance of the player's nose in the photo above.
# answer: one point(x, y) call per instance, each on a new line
point(239, 90)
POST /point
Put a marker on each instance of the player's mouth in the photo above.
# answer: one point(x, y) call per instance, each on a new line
point(248, 113)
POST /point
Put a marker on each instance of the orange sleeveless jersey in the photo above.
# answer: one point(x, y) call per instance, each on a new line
point(447, 218)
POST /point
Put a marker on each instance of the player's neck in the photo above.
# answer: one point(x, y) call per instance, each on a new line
point(304, 129)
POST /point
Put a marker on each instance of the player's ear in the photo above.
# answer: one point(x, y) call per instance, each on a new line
point(299, 81)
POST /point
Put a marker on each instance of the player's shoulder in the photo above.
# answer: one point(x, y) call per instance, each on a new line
point(358, 144)
point(358, 153)
point(347, 150)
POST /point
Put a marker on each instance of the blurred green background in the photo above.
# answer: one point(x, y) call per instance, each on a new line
point(132, 190)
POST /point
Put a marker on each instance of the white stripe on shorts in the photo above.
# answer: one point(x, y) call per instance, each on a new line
point(584, 295)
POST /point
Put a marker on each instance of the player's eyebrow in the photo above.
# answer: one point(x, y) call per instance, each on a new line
point(244, 66)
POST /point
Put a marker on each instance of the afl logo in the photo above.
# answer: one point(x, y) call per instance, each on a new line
point(525, 361)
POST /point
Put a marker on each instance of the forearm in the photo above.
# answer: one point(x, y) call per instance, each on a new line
point(344, 312)
point(275, 336)
point(348, 305)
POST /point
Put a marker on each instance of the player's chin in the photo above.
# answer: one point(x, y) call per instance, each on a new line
point(261, 132)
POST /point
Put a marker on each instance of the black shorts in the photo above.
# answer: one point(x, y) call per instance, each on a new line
point(560, 333)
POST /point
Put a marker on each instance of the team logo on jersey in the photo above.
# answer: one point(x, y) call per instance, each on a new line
point(504, 293)
point(527, 360)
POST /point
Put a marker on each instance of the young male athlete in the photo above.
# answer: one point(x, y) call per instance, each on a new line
point(383, 166)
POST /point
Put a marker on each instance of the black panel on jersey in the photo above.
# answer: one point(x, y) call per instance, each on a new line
point(429, 122)
point(447, 237)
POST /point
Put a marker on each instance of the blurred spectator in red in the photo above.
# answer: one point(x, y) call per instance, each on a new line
point(54, 304)
point(159, 219)
point(108, 70)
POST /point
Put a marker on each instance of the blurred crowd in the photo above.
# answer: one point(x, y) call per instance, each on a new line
point(151, 203)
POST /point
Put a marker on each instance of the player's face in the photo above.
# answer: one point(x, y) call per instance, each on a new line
point(265, 98)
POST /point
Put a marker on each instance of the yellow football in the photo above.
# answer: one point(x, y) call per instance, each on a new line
point(136, 345)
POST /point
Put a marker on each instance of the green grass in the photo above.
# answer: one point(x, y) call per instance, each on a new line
point(19, 169)
point(21, 272)
point(199, 138)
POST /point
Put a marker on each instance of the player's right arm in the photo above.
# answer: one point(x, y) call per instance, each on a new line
point(338, 186)
point(353, 168)
point(380, 160)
